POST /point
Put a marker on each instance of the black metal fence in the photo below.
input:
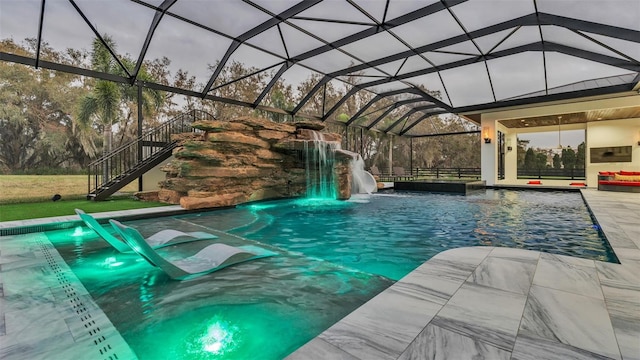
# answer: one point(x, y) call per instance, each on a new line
point(549, 173)
point(437, 173)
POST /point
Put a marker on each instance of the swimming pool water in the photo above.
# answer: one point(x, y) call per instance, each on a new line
point(391, 234)
point(333, 257)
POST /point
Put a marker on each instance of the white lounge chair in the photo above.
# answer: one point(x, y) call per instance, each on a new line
point(212, 258)
point(160, 239)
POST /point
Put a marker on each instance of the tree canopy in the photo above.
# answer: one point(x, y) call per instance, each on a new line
point(55, 120)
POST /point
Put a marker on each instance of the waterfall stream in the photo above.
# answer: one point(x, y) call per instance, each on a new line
point(320, 160)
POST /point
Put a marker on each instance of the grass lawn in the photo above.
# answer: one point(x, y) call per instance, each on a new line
point(29, 197)
point(31, 188)
point(22, 211)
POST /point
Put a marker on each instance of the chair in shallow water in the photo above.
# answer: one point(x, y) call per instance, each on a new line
point(212, 258)
point(160, 239)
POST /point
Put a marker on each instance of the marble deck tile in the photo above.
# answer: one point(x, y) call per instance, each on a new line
point(520, 255)
point(562, 273)
point(57, 347)
point(629, 293)
point(628, 254)
point(527, 348)
point(617, 236)
point(472, 256)
point(451, 270)
point(82, 351)
point(625, 318)
point(570, 260)
point(28, 299)
point(623, 305)
point(504, 274)
point(632, 231)
point(571, 319)
point(34, 318)
point(384, 326)
point(487, 314)
point(15, 347)
point(320, 349)
point(622, 214)
point(433, 287)
point(29, 330)
point(29, 279)
point(616, 275)
point(17, 244)
point(43, 308)
point(437, 343)
point(17, 264)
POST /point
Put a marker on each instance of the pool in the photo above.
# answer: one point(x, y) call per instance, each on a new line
point(333, 257)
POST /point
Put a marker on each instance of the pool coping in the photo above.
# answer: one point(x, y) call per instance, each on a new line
point(505, 303)
point(17, 227)
point(428, 310)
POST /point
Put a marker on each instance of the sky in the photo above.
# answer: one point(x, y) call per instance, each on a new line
point(193, 49)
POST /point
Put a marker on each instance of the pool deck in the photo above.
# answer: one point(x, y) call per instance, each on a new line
point(481, 303)
point(503, 303)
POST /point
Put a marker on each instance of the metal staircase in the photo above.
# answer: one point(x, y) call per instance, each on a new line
point(129, 161)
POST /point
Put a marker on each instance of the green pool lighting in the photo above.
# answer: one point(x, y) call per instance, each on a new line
point(258, 207)
point(219, 338)
point(111, 262)
point(78, 231)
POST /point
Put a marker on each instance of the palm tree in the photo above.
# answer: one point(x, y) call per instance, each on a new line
point(102, 105)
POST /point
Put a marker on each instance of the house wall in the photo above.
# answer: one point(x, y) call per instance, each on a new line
point(488, 154)
point(152, 177)
point(612, 133)
point(621, 132)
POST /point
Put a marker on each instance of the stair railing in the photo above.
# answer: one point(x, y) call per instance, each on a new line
point(109, 169)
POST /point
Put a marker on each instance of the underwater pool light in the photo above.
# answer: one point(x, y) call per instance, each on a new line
point(78, 231)
point(219, 338)
point(112, 262)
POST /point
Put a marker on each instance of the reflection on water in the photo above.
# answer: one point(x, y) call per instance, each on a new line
point(333, 257)
point(262, 309)
point(393, 233)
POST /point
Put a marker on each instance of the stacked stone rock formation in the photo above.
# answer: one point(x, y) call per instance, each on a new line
point(245, 159)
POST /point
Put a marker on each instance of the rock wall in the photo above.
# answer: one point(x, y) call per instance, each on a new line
point(245, 159)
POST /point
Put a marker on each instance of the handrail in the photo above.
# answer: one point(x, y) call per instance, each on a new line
point(564, 173)
point(417, 173)
point(134, 154)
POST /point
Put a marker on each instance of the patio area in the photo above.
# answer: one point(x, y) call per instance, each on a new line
point(502, 303)
point(495, 303)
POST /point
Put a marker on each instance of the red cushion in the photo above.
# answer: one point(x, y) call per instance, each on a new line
point(619, 182)
point(534, 182)
point(606, 173)
point(578, 184)
point(622, 172)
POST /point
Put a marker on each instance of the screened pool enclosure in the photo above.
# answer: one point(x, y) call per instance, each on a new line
point(380, 65)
